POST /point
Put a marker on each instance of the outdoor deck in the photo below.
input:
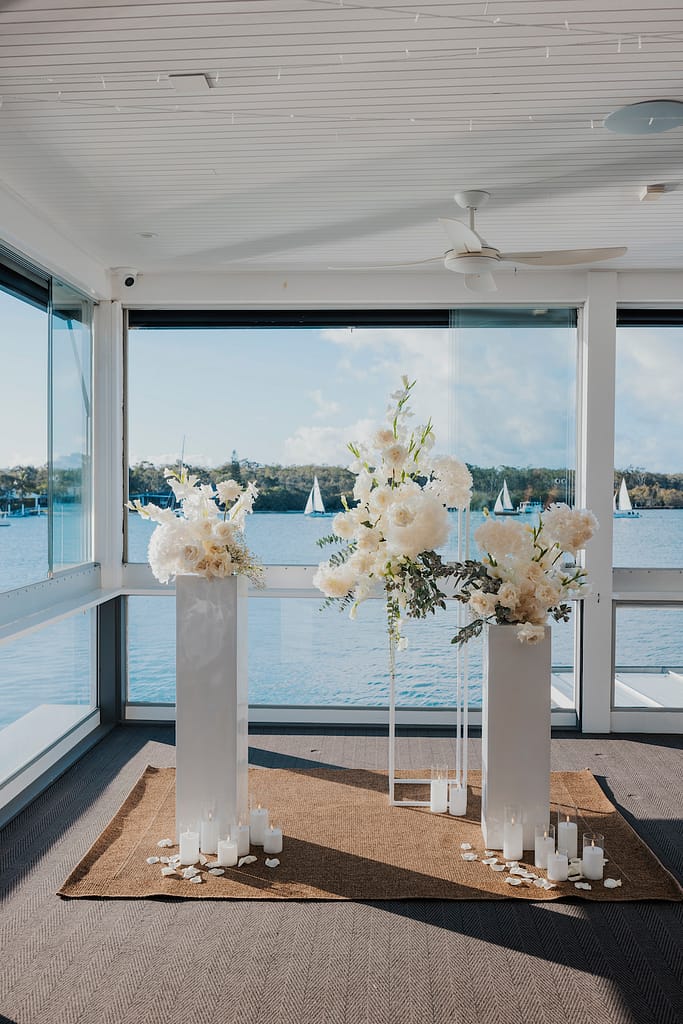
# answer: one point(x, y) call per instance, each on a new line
point(171, 962)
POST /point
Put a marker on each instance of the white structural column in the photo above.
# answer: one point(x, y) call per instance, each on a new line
point(211, 702)
point(594, 491)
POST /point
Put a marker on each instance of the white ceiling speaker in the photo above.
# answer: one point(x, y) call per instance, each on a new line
point(473, 257)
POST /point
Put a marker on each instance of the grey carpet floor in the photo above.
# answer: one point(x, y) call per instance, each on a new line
point(169, 962)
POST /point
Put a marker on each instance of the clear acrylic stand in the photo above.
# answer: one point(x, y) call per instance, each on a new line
point(459, 763)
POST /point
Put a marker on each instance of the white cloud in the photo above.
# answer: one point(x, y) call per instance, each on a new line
point(323, 407)
point(325, 445)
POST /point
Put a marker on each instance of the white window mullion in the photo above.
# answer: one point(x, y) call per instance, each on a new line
point(594, 491)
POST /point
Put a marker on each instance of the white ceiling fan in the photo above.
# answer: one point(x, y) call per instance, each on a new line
point(472, 256)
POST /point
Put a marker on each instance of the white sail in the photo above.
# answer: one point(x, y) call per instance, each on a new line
point(507, 503)
point(315, 503)
point(498, 507)
point(624, 504)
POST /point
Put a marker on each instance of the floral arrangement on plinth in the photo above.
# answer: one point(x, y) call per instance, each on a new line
point(205, 534)
point(527, 573)
point(387, 539)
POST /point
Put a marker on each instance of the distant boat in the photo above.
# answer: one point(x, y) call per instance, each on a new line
point(314, 505)
point(503, 506)
point(623, 509)
point(529, 508)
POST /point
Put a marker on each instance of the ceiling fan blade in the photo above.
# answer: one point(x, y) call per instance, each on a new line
point(484, 282)
point(393, 266)
point(462, 238)
point(563, 257)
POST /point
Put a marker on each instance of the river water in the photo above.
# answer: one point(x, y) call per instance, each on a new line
point(300, 653)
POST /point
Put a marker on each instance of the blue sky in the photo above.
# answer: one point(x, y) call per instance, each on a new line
point(299, 395)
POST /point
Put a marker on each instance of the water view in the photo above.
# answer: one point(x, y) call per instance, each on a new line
point(300, 653)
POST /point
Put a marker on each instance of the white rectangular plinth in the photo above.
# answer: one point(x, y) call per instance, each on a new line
point(515, 734)
point(211, 701)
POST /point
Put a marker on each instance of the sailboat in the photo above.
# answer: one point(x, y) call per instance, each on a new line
point(314, 505)
point(623, 509)
point(503, 505)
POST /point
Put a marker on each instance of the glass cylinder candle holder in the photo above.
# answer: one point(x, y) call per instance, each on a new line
point(592, 862)
point(457, 798)
point(567, 831)
point(513, 833)
point(544, 843)
point(438, 794)
point(558, 866)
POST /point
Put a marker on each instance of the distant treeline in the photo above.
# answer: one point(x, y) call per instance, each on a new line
point(286, 488)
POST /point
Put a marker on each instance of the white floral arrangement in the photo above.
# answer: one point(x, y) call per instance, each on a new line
point(527, 573)
point(205, 534)
point(387, 539)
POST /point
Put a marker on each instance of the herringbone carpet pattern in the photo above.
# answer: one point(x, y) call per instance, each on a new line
point(206, 962)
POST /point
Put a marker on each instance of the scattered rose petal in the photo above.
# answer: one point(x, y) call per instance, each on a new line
point(164, 860)
point(466, 846)
point(612, 883)
point(165, 842)
point(196, 879)
point(212, 864)
point(272, 862)
point(469, 856)
point(511, 864)
point(539, 883)
point(246, 860)
point(582, 885)
point(518, 871)
point(510, 880)
point(203, 859)
point(490, 860)
point(489, 853)
point(167, 872)
point(190, 872)
point(216, 871)
point(152, 860)
point(497, 867)
point(173, 860)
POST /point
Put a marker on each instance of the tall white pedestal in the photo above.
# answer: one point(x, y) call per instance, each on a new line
point(515, 733)
point(211, 701)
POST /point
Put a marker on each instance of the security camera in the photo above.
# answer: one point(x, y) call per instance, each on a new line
point(128, 275)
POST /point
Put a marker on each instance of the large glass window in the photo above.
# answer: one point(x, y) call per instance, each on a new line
point(47, 686)
point(648, 455)
point(23, 428)
point(648, 658)
point(277, 402)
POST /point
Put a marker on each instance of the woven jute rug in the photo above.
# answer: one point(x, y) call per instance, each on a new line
point(343, 841)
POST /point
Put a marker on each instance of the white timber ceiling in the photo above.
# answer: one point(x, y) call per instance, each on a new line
point(335, 132)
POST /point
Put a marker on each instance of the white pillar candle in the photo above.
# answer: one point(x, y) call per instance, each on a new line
point(457, 798)
point(258, 823)
point(568, 836)
point(513, 838)
point(227, 852)
point(592, 864)
point(189, 847)
point(544, 843)
point(438, 793)
point(558, 866)
point(272, 840)
point(241, 833)
point(208, 835)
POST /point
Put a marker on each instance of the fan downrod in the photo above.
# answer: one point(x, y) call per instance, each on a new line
point(472, 198)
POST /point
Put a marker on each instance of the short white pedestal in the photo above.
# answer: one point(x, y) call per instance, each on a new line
point(211, 701)
point(515, 733)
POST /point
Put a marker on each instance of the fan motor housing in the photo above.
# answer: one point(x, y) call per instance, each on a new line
point(472, 262)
